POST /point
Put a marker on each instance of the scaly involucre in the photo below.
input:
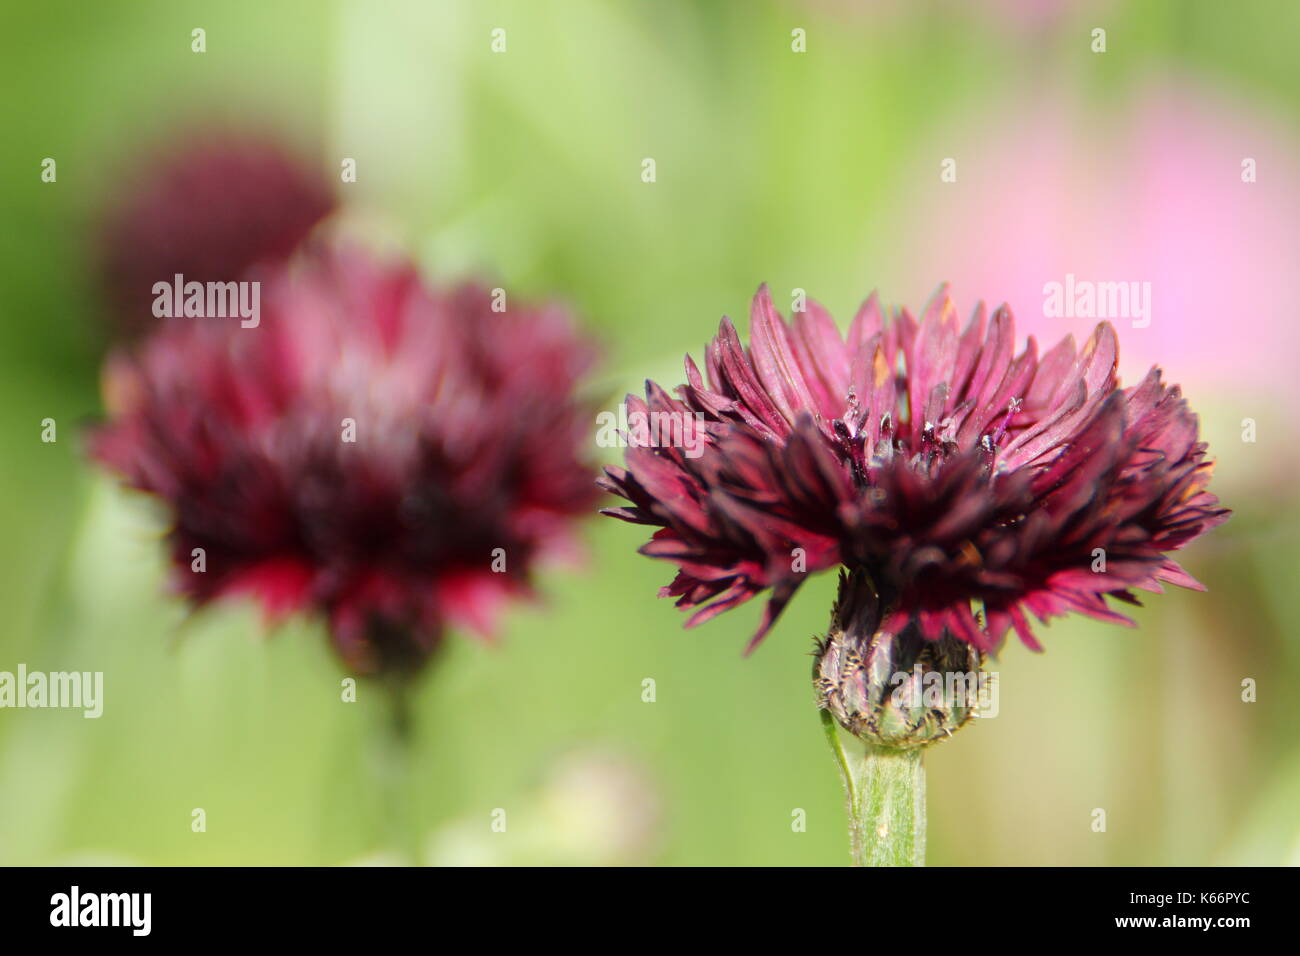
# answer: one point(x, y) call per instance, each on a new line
point(956, 473)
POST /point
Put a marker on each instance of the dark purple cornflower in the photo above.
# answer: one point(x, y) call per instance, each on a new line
point(395, 457)
point(961, 488)
point(964, 485)
point(211, 204)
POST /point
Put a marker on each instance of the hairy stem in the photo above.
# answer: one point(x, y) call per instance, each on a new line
point(885, 795)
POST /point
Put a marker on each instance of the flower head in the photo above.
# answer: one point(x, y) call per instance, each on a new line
point(224, 201)
point(971, 485)
point(395, 457)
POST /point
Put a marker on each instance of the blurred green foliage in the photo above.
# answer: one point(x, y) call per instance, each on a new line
point(526, 166)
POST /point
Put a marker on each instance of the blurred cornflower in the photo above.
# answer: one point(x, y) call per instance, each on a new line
point(210, 204)
point(961, 486)
point(395, 457)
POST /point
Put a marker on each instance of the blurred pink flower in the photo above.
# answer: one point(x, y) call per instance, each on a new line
point(1150, 191)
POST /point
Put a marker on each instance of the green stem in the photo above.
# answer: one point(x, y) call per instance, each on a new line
point(398, 773)
point(885, 796)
